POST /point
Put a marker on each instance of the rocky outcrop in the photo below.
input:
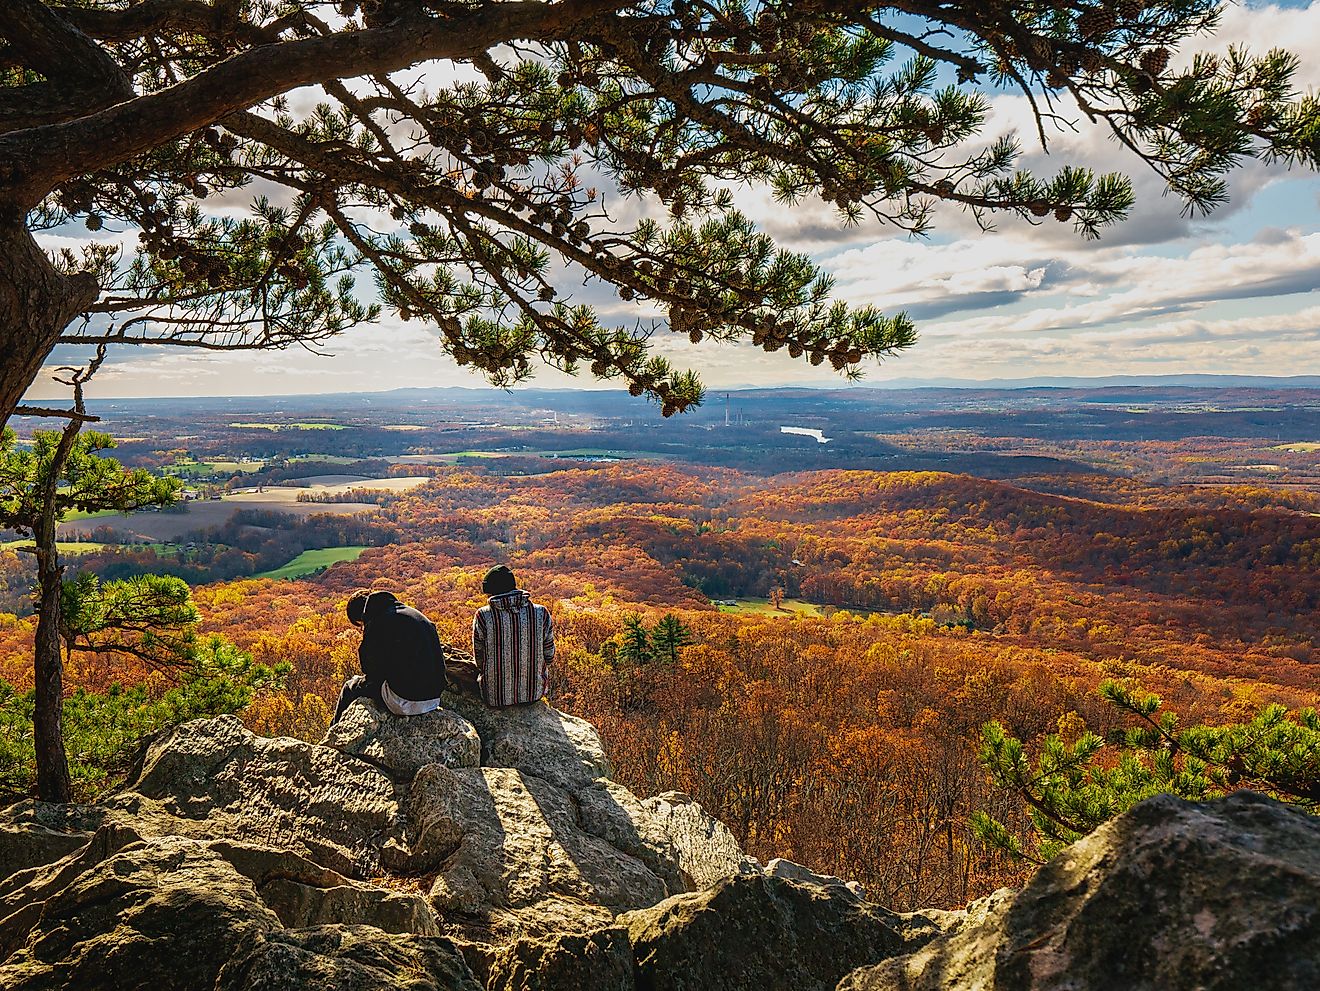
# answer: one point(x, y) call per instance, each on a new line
point(538, 740)
point(495, 852)
point(405, 827)
point(1215, 896)
point(402, 747)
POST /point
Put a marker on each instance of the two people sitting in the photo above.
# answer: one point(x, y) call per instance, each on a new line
point(404, 666)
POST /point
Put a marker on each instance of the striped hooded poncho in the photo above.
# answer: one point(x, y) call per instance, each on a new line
point(513, 644)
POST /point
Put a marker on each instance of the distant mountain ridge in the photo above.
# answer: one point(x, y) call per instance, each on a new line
point(860, 390)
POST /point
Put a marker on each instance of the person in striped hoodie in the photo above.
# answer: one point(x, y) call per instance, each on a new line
point(513, 643)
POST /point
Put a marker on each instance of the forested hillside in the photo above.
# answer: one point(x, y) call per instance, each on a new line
point(839, 728)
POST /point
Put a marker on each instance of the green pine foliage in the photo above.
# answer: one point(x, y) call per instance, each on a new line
point(151, 617)
point(87, 481)
point(1070, 788)
point(637, 644)
point(670, 635)
point(103, 730)
point(635, 647)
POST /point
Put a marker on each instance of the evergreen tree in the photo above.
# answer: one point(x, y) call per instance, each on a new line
point(149, 617)
point(1070, 788)
point(636, 644)
point(39, 486)
point(670, 635)
point(471, 203)
point(103, 729)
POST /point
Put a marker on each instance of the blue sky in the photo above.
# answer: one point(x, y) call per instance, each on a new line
point(1232, 293)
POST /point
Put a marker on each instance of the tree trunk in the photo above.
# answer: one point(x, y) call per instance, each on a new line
point(53, 783)
point(36, 303)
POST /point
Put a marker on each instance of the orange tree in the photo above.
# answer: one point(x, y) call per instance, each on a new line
point(452, 148)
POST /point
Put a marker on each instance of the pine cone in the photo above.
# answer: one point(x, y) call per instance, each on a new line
point(1155, 61)
point(1096, 22)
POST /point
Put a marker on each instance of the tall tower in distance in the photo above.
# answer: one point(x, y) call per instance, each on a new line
point(726, 409)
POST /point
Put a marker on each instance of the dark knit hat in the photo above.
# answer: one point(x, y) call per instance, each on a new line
point(357, 606)
point(498, 580)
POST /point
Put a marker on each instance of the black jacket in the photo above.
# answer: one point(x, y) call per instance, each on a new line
point(400, 646)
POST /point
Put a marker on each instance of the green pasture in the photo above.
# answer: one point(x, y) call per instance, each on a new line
point(76, 514)
point(62, 546)
point(1298, 447)
point(309, 562)
point(213, 467)
point(762, 607)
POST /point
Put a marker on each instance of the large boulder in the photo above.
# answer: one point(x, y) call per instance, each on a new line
point(402, 747)
point(1172, 895)
point(779, 867)
point(598, 961)
point(346, 958)
point(212, 778)
point(753, 932)
point(161, 914)
point(537, 739)
point(670, 833)
point(510, 848)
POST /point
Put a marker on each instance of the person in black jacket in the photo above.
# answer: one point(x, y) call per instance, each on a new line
point(403, 662)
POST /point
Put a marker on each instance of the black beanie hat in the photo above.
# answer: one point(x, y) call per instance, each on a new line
point(498, 580)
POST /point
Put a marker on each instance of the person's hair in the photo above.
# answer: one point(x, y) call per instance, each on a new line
point(357, 606)
point(498, 580)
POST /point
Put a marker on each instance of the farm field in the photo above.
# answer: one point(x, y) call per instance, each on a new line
point(78, 514)
point(165, 527)
point(446, 459)
point(63, 546)
point(1298, 447)
point(288, 426)
point(761, 607)
point(310, 562)
point(191, 468)
point(169, 527)
point(333, 484)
